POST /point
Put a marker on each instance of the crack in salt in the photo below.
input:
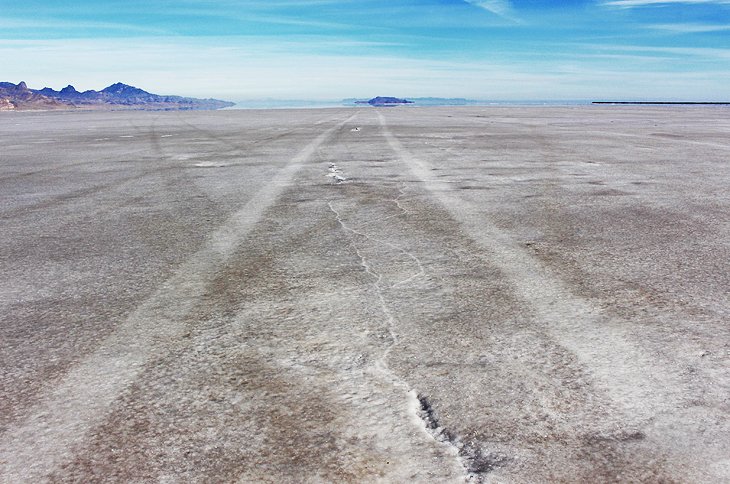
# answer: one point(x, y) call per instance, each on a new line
point(421, 269)
point(397, 201)
point(476, 461)
point(390, 319)
point(415, 401)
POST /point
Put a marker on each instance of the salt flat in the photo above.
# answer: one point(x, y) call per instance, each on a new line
point(493, 294)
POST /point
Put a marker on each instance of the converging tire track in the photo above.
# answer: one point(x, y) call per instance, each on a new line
point(52, 429)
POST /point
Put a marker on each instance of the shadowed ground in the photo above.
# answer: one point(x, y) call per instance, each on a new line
point(491, 294)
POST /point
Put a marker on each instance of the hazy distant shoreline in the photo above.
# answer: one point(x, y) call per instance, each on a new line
point(417, 102)
point(303, 104)
point(665, 103)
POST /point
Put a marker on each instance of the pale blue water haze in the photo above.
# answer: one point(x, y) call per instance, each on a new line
point(330, 50)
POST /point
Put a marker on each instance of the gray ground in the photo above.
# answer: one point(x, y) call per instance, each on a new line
point(493, 294)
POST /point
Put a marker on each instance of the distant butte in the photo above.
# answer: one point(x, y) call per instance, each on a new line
point(117, 96)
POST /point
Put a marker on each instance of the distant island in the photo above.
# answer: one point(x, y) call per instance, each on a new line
point(18, 97)
point(384, 101)
point(418, 101)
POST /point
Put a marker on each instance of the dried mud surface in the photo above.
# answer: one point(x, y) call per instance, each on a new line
point(498, 294)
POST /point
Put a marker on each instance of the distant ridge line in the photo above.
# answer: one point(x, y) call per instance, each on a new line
point(117, 96)
point(663, 102)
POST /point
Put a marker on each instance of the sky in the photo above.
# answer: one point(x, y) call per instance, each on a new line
point(667, 50)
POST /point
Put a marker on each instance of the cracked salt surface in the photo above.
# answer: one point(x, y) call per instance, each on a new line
point(429, 334)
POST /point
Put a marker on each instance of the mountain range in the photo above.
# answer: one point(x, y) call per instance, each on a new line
point(18, 97)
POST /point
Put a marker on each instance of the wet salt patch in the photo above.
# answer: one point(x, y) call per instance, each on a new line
point(209, 164)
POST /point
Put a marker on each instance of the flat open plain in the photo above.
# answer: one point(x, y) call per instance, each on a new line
point(494, 294)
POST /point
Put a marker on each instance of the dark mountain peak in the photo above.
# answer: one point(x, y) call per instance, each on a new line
point(121, 89)
point(14, 87)
point(69, 90)
point(116, 86)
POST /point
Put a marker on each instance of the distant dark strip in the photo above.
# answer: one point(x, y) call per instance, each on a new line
point(661, 102)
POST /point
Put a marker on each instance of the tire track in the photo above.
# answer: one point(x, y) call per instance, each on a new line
point(52, 430)
point(639, 386)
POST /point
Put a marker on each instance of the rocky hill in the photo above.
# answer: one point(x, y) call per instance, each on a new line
point(19, 97)
point(116, 96)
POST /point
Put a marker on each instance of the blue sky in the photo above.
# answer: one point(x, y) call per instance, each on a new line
point(332, 49)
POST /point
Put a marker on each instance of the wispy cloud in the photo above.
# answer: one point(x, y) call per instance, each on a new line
point(694, 54)
point(689, 28)
point(330, 48)
point(503, 8)
point(708, 53)
point(74, 25)
point(251, 68)
point(642, 3)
